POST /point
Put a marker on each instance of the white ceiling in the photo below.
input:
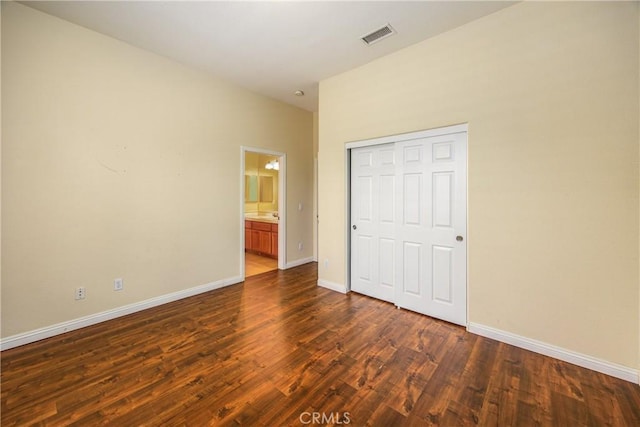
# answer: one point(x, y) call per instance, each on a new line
point(270, 47)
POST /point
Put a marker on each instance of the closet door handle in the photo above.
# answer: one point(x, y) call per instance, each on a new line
point(355, 226)
point(459, 238)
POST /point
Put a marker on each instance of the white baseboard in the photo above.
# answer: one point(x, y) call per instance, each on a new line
point(299, 262)
point(92, 319)
point(333, 286)
point(579, 359)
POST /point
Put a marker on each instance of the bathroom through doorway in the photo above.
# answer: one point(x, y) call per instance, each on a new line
point(262, 211)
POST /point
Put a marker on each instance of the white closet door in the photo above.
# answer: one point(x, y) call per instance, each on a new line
point(373, 175)
point(431, 250)
point(408, 217)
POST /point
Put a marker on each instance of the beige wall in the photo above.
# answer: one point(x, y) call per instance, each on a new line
point(550, 94)
point(0, 162)
point(120, 163)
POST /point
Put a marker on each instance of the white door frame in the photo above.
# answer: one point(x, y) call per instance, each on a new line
point(282, 203)
point(464, 127)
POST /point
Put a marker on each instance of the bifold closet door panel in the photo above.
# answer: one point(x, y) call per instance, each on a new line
point(431, 241)
point(373, 198)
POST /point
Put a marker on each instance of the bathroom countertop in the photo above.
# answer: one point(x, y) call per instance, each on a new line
point(261, 218)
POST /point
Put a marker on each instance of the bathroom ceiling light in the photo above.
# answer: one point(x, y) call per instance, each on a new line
point(273, 164)
point(298, 93)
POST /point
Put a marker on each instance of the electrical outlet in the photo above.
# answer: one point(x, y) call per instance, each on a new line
point(300, 246)
point(81, 293)
point(118, 285)
point(326, 263)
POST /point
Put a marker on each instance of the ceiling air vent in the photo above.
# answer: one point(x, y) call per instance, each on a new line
point(379, 34)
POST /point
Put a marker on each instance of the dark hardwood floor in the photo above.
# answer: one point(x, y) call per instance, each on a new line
point(277, 350)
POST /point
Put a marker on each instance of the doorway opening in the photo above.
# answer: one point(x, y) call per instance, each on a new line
point(263, 196)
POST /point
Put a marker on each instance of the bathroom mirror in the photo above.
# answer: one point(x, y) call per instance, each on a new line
point(250, 188)
point(266, 189)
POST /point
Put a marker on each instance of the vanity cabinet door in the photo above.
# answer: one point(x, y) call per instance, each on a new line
point(247, 236)
point(255, 240)
point(274, 240)
point(265, 242)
